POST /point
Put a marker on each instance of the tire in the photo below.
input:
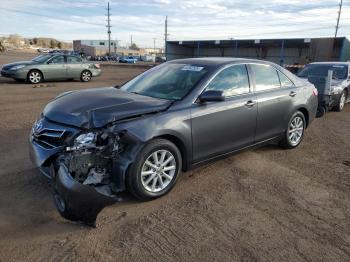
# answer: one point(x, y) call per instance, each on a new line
point(156, 180)
point(342, 100)
point(62, 207)
point(321, 111)
point(85, 76)
point(34, 77)
point(292, 139)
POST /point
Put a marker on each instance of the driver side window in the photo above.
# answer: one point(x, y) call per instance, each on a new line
point(232, 81)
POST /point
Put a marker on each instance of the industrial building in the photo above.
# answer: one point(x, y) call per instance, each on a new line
point(297, 51)
point(93, 47)
point(100, 48)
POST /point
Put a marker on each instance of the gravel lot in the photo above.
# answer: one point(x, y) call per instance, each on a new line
point(266, 204)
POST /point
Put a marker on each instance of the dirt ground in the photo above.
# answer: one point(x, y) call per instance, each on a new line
point(266, 204)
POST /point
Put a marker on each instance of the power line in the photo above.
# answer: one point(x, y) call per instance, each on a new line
point(339, 13)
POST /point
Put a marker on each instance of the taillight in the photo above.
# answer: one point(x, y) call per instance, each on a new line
point(97, 66)
point(315, 91)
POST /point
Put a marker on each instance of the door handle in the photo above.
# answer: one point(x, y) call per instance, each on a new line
point(250, 103)
point(292, 94)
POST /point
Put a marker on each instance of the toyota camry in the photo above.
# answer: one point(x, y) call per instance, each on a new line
point(138, 137)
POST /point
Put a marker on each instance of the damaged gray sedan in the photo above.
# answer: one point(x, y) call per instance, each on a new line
point(94, 144)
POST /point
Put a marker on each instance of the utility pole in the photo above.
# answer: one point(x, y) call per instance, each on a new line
point(154, 45)
point(166, 35)
point(109, 29)
point(339, 13)
point(130, 41)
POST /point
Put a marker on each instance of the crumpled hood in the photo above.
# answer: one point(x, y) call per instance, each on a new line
point(94, 108)
point(8, 66)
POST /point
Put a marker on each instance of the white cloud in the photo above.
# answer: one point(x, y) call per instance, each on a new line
point(196, 19)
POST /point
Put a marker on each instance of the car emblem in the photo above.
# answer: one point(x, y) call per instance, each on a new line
point(38, 126)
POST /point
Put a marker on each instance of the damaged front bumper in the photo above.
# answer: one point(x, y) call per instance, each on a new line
point(78, 202)
point(85, 179)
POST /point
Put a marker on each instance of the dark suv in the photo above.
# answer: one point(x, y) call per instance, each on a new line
point(96, 143)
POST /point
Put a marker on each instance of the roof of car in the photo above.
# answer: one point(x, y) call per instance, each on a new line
point(330, 63)
point(216, 61)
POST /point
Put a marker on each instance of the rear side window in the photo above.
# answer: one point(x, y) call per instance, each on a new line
point(285, 81)
point(232, 81)
point(73, 59)
point(266, 77)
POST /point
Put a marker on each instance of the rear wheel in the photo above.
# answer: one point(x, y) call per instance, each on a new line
point(34, 77)
point(342, 100)
point(85, 76)
point(295, 131)
point(155, 170)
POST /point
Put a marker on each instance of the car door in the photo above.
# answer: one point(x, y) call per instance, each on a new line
point(74, 67)
point(221, 127)
point(275, 94)
point(55, 68)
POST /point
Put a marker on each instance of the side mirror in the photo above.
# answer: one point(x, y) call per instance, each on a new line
point(212, 96)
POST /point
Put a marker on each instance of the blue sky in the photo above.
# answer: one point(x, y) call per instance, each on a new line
point(194, 19)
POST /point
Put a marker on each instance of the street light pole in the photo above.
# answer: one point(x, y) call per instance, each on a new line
point(109, 29)
point(154, 45)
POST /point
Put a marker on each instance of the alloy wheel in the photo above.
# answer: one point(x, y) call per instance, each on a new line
point(35, 77)
point(296, 130)
point(158, 170)
point(342, 101)
point(86, 76)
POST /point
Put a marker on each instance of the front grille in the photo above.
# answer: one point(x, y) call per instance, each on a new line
point(50, 138)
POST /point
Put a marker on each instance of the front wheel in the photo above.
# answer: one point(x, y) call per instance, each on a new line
point(155, 170)
point(295, 131)
point(342, 100)
point(34, 77)
point(86, 76)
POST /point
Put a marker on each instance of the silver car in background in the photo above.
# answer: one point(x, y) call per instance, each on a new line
point(51, 67)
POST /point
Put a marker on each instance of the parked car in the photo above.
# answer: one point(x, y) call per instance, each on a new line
point(160, 59)
point(43, 50)
point(128, 59)
point(138, 137)
point(337, 95)
point(51, 67)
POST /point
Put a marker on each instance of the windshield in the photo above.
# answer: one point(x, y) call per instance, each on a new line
point(41, 58)
point(168, 81)
point(339, 71)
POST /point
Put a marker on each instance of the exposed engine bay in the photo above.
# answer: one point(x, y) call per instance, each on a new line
point(87, 165)
point(90, 161)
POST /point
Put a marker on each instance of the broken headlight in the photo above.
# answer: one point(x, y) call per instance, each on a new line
point(85, 139)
